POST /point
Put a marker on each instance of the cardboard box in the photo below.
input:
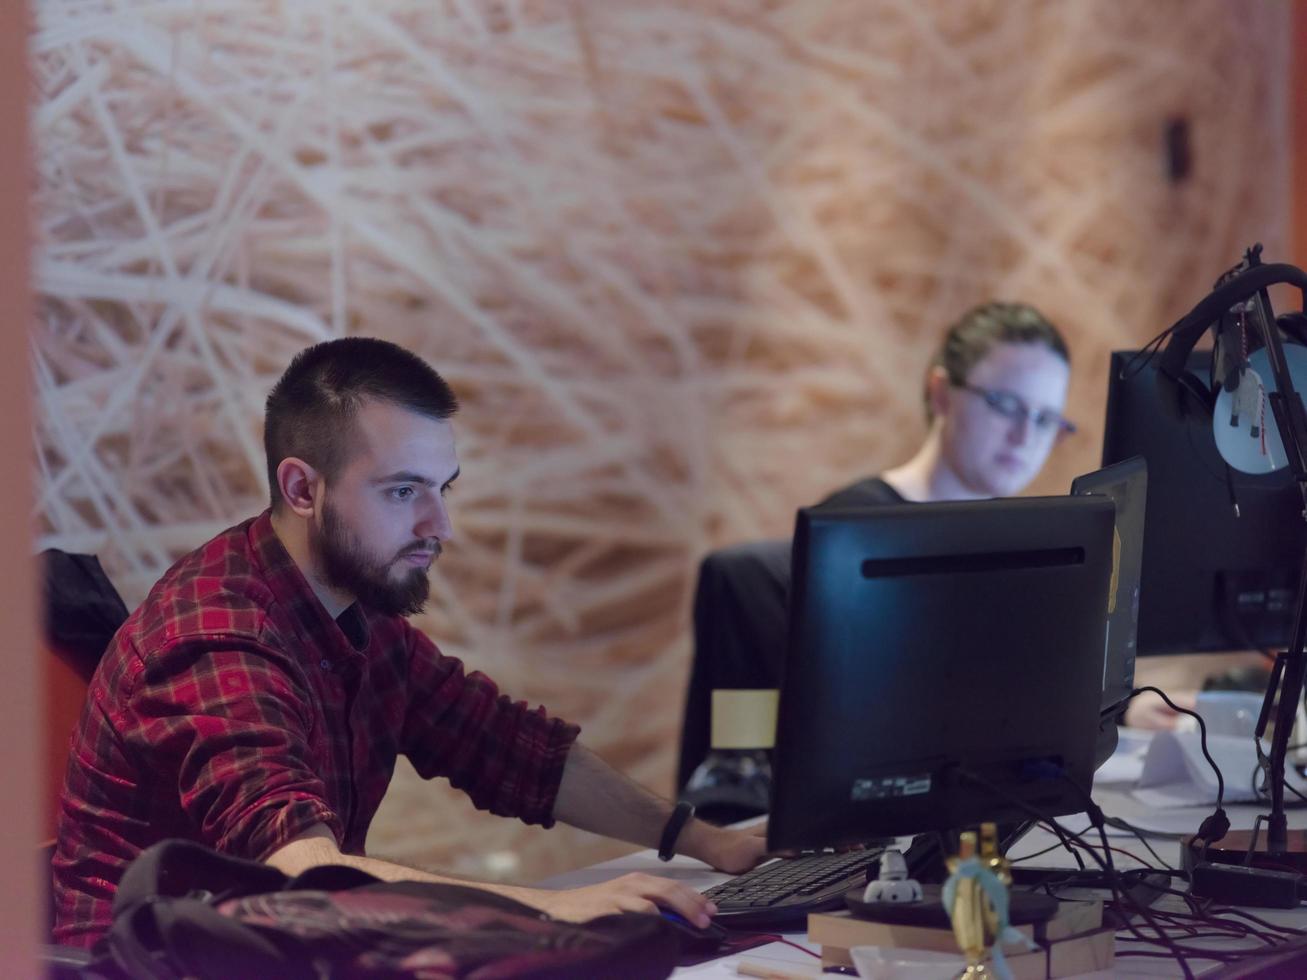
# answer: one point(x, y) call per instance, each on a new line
point(1072, 942)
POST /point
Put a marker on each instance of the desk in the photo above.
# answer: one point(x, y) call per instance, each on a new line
point(1115, 803)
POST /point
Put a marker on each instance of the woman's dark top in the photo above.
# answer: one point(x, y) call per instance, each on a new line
point(740, 620)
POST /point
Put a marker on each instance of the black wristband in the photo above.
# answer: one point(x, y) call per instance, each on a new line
point(675, 824)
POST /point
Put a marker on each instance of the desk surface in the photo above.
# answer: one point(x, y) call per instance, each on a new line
point(1115, 801)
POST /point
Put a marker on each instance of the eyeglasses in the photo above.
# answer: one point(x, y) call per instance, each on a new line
point(1013, 408)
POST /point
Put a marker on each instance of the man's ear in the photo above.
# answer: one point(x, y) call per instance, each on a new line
point(937, 389)
point(300, 485)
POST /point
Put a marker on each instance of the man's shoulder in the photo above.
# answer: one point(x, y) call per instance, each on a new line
point(217, 589)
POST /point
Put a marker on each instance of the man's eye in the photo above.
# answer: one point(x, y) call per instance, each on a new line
point(402, 493)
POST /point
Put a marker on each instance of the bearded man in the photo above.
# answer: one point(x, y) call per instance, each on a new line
point(257, 700)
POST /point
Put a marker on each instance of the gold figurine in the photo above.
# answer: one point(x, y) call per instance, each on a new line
point(976, 881)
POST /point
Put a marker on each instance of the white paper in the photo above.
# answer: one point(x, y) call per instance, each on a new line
point(1126, 764)
point(1176, 774)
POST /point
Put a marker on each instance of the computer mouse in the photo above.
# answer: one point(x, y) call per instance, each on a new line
point(695, 939)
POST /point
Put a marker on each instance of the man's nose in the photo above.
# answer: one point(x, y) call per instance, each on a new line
point(435, 522)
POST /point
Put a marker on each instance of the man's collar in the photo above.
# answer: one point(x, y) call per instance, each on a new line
point(353, 622)
point(292, 589)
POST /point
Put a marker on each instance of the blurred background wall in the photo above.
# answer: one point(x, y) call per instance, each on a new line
point(683, 262)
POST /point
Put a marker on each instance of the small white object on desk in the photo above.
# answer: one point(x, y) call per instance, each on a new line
point(886, 963)
point(893, 884)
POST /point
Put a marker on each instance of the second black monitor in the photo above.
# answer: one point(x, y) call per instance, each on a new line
point(1210, 580)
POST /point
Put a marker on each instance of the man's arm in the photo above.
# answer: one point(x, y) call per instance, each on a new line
point(596, 797)
point(630, 893)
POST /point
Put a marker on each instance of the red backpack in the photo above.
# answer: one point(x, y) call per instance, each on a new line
point(183, 910)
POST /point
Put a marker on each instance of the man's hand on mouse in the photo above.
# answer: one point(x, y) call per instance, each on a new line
point(728, 850)
point(635, 892)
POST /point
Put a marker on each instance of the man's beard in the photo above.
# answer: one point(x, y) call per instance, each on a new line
point(349, 567)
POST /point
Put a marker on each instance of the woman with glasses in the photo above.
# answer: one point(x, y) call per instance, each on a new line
point(994, 397)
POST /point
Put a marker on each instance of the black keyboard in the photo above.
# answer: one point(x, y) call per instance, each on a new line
point(783, 892)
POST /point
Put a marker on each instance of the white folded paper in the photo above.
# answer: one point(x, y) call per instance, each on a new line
point(1176, 774)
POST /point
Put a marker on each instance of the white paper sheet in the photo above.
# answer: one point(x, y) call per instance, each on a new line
point(1175, 773)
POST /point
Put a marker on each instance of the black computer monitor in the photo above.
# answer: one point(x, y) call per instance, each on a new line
point(1126, 485)
point(932, 640)
point(1210, 580)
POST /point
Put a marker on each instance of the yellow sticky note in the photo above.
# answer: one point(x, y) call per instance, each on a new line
point(744, 719)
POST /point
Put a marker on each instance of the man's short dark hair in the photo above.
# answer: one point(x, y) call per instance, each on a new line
point(310, 411)
point(983, 328)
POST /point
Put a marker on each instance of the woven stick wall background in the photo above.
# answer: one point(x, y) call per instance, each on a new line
point(684, 263)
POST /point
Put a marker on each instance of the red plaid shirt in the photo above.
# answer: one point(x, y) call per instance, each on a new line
point(231, 709)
